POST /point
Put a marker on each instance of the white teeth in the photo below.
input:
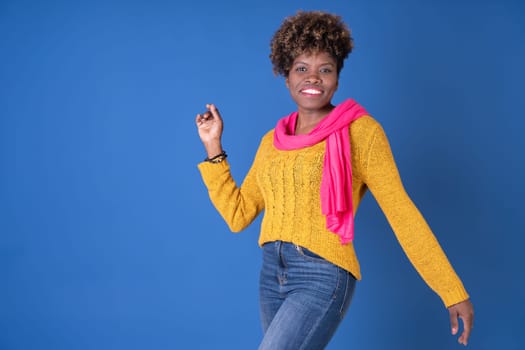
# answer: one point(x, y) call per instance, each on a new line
point(312, 91)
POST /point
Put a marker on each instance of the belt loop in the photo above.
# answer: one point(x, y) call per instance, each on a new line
point(277, 245)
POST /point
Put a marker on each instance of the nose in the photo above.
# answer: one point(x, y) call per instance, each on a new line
point(313, 78)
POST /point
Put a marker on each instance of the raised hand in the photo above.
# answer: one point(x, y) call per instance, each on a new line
point(210, 126)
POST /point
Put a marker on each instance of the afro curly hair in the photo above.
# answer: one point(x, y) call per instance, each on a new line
point(310, 32)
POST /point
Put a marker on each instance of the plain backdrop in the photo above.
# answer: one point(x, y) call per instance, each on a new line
point(108, 239)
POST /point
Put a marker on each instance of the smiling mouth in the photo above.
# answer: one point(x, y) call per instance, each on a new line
point(311, 92)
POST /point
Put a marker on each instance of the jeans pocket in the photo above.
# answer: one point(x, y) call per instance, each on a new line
point(309, 255)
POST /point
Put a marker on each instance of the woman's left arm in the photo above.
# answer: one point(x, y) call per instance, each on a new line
point(414, 234)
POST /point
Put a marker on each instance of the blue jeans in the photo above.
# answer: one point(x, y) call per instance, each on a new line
point(303, 298)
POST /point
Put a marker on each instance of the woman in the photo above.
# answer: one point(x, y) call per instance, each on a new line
point(309, 175)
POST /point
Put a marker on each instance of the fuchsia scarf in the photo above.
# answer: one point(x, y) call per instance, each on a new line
point(336, 182)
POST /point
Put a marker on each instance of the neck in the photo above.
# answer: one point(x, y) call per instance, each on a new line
point(307, 120)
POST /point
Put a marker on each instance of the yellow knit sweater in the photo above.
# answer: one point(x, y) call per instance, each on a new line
point(286, 185)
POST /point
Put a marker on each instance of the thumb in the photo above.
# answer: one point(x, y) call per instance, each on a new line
point(454, 325)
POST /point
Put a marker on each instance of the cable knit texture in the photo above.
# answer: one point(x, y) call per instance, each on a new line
point(286, 185)
point(336, 181)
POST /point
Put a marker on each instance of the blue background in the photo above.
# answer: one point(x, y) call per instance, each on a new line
point(107, 237)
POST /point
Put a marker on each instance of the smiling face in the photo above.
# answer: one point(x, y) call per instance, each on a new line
point(312, 82)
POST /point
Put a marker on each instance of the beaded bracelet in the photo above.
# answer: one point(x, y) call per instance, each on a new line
point(217, 159)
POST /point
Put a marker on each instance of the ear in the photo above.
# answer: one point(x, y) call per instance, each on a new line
point(287, 82)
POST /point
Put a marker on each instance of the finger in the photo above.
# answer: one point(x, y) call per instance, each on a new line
point(467, 327)
point(207, 115)
point(203, 117)
point(200, 119)
point(214, 111)
point(454, 322)
point(463, 339)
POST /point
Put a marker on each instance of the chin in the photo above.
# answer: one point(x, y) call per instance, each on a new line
point(314, 105)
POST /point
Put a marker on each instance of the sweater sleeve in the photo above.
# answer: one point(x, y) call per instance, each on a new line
point(409, 226)
point(238, 206)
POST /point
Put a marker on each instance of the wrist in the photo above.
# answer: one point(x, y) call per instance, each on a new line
point(216, 158)
point(213, 149)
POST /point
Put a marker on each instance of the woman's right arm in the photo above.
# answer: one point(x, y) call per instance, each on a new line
point(238, 206)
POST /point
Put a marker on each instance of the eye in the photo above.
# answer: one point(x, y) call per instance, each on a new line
point(300, 69)
point(326, 70)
